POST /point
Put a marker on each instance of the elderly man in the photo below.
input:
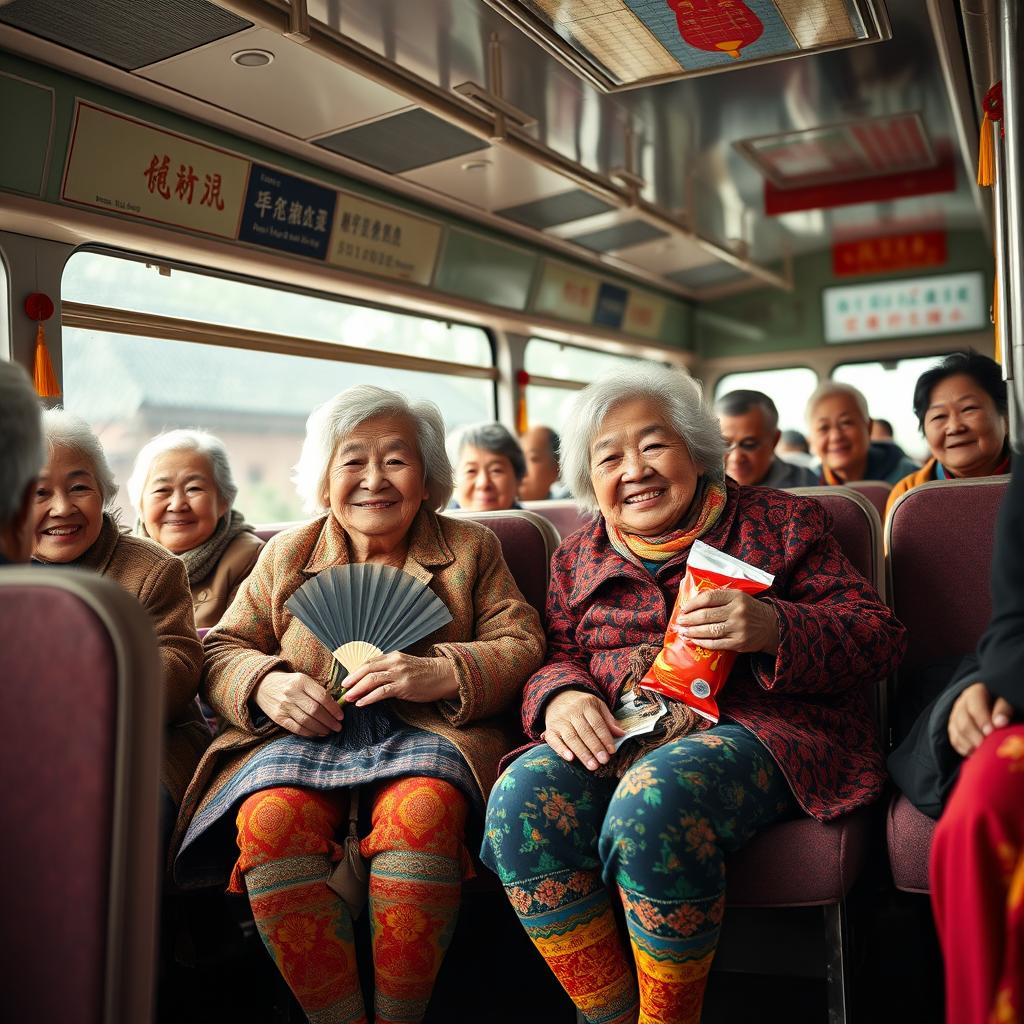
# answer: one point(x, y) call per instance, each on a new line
point(749, 423)
point(21, 456)
point(540, 446)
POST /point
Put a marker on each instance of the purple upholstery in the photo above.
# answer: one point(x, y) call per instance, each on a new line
point(562, 513)
point(910, 839)
point(876, 491)
point(853, 531)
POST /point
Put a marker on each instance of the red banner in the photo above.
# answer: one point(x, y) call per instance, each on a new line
point(894, 252)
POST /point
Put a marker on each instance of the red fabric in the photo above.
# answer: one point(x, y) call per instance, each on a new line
point(977, 873)
point(836, 640)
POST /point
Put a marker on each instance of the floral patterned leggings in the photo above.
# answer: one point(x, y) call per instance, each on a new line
point(560, 838)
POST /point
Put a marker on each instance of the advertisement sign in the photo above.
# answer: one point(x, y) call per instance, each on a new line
point(287, 213)
point(644, 315)
point(566, 293)
point(894, 252)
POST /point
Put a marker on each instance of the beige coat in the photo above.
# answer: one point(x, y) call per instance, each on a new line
point(157, 579)
point(212, 595)
point(494, 641)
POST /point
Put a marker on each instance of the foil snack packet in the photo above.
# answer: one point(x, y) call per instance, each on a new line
point(684, 670)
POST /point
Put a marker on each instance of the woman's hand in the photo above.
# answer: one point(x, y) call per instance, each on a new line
point(729, 620)
point(974, 716)
point(578, 724)
point(422, 680)
point(298, 703)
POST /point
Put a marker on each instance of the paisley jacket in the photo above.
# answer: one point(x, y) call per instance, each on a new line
point(808, 704)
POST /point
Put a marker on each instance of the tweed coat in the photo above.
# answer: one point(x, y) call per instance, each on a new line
point(494, 642)
point(212, 595)
point(157, 579)
point(806, 704)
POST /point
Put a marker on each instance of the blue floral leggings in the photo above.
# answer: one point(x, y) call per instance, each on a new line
point(560, 838)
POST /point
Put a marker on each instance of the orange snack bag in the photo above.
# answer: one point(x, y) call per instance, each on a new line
point(684, 670)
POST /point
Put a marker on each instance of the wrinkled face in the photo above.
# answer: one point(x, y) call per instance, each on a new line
point(750, 446)
point(180, 502)
point(839, 436)
point(963, 428)
point(641, 470)
point(485, 481)
point(67, 514)
point(376, 481)
point(541, 465)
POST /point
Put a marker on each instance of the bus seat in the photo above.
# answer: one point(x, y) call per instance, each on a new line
point(940, 538)
point(79, 865)
point(803, 862)
point(563, 513)
point(876, 491)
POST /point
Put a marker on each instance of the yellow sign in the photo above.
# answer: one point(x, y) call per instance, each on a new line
point(381, 240)
point(566, 293)
point(644, 314)
point(127, 167)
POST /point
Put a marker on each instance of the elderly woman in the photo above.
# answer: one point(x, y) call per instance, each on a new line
point(182, 491)
point(74, 525)
point(567, 836)
point(961, 408)
point(374, 466)
point(840, 435)
point(489, 467)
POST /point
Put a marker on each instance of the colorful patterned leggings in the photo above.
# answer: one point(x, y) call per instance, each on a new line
point(559, 838)
point(977, 881)
point(417, 862)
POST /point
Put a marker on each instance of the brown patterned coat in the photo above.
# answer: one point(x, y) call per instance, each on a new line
point(157, 579)
point(494, 641)
point(212, 595)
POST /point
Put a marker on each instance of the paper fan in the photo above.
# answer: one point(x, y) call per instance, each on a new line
point(360, 611)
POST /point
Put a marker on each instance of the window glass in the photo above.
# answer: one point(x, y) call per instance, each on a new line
point(889, 389)
point(104, 280)
point(788, 388)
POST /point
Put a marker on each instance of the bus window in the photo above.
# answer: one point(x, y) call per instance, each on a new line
point(889, 388)
point(789, 389)
point(573, 367)
point(130, 387)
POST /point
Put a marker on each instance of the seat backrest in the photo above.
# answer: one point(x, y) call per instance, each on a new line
point(562, 512)
point(80, 765)
point(939, 537)
point(876, 491)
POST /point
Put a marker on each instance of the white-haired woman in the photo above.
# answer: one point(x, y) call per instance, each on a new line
point(184, 494)
point(489, 467)
point(839, 431)
point(74, 525)
point(571, 821)
point(277, 778)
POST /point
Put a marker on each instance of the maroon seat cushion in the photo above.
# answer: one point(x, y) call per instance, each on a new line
point(57, 763)
point(910, 839)
point(876, 491)
point(562, 513)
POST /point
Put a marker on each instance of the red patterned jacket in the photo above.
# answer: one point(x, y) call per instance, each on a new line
point(807, 704)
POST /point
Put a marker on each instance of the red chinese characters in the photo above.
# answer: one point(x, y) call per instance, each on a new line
point(158, 171)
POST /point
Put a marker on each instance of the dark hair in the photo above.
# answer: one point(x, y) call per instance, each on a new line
point(736, 403)
point(794, 438)
point(984, 371)
point(884, 424)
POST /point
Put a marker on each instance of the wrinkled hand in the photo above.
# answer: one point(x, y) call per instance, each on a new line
point(974, 716)
point(298, 703)
point(422, 680)
point(729, 620)
point(578, 724)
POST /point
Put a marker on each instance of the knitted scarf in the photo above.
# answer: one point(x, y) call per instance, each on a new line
point(705, 510)
point(202, 560)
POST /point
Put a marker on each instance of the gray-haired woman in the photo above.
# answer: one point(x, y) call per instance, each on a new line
point(489, 466)
point(573, 826)
point(277, 778)
point(182, 490)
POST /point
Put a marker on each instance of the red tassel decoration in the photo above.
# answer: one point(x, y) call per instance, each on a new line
point(39, 307)
point(522, 422)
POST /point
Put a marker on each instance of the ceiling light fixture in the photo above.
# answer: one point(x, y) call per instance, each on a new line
point(476, 165)
point(252, 58)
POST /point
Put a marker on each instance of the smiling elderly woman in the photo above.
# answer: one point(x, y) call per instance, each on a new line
point(563, 832)
point(74, 525)
point(375, 466)
point(183, 492)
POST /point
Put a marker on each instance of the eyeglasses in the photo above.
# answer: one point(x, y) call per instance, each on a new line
point(748, 444)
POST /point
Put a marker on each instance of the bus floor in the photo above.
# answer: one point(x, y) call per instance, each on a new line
point(216, 970)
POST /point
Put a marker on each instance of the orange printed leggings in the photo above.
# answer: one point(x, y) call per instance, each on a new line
point(417, 857)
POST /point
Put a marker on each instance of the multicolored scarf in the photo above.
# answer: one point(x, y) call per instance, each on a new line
point(706, 508)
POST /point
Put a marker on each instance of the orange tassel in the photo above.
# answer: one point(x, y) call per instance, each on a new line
point(42, 372)
point(986, 157)
point(522, 423)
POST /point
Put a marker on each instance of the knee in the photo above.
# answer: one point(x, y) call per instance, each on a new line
point(991, 784)
point(285, 822)
point(424, 815)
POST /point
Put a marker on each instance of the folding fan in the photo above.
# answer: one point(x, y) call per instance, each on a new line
point(360, 611)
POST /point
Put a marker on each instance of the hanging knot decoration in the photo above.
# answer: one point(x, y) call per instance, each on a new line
point(992, 111)
point(717, 26)
point(522, 422)
point(39, 307)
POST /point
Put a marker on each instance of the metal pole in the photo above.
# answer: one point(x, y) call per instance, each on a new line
point(1002, 247)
